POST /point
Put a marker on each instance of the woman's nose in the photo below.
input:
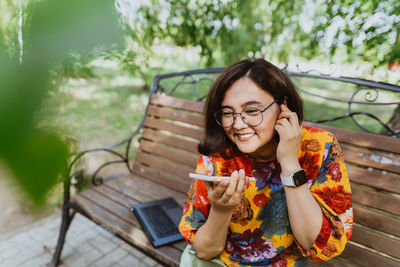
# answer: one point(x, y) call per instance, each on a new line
point(238, 122)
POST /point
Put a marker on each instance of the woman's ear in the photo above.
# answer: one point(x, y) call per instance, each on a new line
point(284, 101)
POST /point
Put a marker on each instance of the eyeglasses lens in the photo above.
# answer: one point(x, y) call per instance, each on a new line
point(251, 117)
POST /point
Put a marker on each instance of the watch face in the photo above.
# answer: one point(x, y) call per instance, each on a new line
point(300, 178)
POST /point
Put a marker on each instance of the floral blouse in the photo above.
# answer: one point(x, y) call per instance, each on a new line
point(259, 233)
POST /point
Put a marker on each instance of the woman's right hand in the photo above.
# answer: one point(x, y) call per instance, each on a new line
point(227, 194)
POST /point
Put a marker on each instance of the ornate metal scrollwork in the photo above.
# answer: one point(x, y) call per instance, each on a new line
point(370, 90)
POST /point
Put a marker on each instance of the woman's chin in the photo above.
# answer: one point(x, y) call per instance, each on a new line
point(246, 149)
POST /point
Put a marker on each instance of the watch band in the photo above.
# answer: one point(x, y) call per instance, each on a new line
point(295, 179)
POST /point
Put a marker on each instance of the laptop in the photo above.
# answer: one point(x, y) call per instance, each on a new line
point(159, 220)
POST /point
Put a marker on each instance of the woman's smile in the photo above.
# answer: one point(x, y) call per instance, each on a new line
point(245, 137)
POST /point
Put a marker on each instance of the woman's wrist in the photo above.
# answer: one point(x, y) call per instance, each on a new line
point(221, 211)
point(290, 167)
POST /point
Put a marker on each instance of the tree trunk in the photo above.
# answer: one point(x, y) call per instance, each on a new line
point(394, 121)
point(20, 39)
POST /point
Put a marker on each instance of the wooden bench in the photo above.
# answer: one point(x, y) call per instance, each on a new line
point(169, 135)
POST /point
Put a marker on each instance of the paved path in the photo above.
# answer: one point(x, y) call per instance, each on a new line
point(87, 244)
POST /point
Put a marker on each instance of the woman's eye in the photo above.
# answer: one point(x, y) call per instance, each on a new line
point(226, 113)
point(252, 112)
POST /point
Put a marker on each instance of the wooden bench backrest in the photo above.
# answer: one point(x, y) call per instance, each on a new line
point(168, 152)
point(168, 145)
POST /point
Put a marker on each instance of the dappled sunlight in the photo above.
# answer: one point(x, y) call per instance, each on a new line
point(137, 102)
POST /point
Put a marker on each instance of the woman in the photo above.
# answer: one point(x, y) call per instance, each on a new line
point(299, 206)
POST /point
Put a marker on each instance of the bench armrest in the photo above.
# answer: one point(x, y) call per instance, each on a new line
point(75, 176)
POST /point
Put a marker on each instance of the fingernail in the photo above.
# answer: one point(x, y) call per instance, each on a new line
point(241, 171)
point(235, 173)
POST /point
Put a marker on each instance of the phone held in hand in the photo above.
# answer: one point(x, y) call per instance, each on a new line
point(210, 178)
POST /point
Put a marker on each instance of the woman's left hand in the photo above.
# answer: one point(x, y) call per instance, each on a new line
point(289, 130)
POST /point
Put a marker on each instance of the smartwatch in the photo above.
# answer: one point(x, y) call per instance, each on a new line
point(295, 179)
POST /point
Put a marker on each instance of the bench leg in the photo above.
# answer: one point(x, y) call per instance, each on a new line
point(66, 221)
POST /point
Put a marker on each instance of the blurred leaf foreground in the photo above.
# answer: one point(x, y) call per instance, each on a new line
point(38, 158)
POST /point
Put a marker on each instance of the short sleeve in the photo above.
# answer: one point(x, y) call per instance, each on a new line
point(330, 186)
point(197, 204)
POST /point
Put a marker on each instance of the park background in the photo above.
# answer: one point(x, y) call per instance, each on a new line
point(76, 74)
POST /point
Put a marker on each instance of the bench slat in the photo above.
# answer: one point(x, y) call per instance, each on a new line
point(179, 103)
point(377, 220)
point(169, 153)
point(129, 232)
point(167, 166)
point(374, 179)
point(375, 199)
point(371, 159)
point(376, 241)
point(142, 189)
point(363, 257)
point(171, 140)
point(176, 115)
point(336, 261)
point(106, 203)
point(176, 183)
point(173, 128)
point(363, 139)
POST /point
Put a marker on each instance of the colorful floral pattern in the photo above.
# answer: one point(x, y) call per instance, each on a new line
point(335, 197)
point(242, 213)
point(260, 232)
point(310, 163)
point(274, 216)
point(249, 248)
point(260, 200)
point(267, 174)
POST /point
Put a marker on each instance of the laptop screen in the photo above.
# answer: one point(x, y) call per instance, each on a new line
point(159, 220)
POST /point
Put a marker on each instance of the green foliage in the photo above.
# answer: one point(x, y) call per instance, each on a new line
point(9, 13)
point(135, 59)
point(217, 27)
point(76, 66)
point(35, 156)
point(276, 29)
point(368, 29)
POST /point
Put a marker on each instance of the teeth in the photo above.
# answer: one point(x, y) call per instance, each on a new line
point(245, 135)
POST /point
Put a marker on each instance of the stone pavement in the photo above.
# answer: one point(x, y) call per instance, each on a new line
point(87, 244)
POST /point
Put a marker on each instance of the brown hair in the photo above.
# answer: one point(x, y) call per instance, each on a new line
point(266, 76)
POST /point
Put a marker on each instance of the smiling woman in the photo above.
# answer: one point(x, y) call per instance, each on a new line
point(289, 214)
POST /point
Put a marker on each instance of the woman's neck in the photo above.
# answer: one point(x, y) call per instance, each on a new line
point(266, 152)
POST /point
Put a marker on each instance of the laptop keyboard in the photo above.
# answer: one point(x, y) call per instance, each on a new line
point(160, 223)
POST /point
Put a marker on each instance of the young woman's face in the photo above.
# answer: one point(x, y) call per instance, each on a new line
point(257, 141)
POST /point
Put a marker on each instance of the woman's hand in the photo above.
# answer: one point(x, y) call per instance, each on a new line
point(227, 194)
point(224, 196)
point(288, 128)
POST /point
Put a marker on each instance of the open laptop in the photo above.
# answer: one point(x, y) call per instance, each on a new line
point(159, 220)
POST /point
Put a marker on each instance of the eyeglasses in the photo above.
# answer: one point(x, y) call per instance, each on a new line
point(252, 116)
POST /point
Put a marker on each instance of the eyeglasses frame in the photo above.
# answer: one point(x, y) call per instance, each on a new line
point(241, 116)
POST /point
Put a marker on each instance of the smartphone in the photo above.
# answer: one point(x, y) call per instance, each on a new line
point(210, 178)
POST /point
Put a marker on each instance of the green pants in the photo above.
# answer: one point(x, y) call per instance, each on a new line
point(190, 259)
